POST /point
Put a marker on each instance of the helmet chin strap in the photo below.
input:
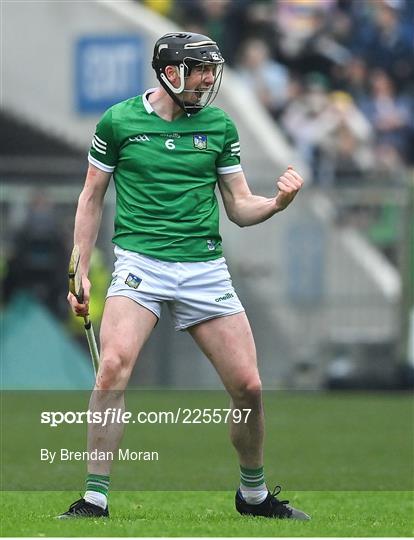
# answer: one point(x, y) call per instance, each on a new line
point(182, 81)
point(173, 91)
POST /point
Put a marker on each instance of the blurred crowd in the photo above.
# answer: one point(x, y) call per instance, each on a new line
point(337, 75)
point(34, 255)
point(34, 259)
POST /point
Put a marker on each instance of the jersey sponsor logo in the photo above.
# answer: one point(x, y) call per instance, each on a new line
point(200, 142)
point(140, 138)
point(133, 281)
point(99, 145)
point(227, 296)
point(170, 135)
point(235, 149)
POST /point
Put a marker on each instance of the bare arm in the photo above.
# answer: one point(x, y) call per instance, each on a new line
point(87, 222)
point(244, 208)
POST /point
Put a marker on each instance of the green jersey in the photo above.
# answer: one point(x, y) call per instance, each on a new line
point(165, 175)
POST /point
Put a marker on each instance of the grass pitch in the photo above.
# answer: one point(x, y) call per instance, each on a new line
point(314, 442)
point(347, 460)
point(174, 514)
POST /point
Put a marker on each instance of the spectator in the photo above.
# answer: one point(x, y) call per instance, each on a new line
point(301, 34)
point(346, 151)
point(265, 77)
point(330, 132)
point(222, 20)
point(385, 40)
point(305, 118)
point(355, 79)
point(297, 21)
point(393, 50)
point(389, 114)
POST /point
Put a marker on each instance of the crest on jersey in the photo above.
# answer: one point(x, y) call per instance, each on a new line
point(200, 141)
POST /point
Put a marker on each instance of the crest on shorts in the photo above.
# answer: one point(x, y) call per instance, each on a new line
point(133, 281)
point(200, 141)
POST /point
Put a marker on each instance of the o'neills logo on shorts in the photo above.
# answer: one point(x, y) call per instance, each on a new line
point(225, 297)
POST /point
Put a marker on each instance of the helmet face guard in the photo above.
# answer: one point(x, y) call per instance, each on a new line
point(185, 51)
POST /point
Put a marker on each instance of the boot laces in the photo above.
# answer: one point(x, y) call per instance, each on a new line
point(77, 503)
point(280, 505)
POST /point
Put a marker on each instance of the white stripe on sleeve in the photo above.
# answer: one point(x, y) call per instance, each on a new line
point(230, 169)
point(100, 140)
point(97, 148)
point(100, 165)
point(98, 144)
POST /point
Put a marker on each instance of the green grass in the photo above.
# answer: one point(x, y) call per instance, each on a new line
point(314, 442)
point(345, 458)
point(174, 514)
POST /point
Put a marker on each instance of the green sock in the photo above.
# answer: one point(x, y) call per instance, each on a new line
point(97, 482)
point(252, 485)
point(251, 478)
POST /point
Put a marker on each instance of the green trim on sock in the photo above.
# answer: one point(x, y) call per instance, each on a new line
point(103, 482)
point(251, 472)
point(248, 484)
point(93, 486)
point(98, 477)
point(97, 482)
point(251, 477)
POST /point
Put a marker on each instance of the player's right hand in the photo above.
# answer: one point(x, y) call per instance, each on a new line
point(78, 308)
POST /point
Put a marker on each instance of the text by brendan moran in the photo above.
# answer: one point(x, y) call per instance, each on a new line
point(123, 454)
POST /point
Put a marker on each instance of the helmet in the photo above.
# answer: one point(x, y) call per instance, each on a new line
point(187, 50)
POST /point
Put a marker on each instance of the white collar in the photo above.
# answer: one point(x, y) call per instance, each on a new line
point(146, 103)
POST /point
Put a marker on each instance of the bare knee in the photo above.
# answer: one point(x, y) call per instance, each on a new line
point(247, 390)
point(113, 372)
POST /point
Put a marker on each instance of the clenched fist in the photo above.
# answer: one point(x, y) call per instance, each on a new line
point(288, 184)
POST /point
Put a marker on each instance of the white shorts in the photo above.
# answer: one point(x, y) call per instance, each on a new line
point(193, 291)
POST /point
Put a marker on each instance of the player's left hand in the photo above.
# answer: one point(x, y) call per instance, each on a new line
point(288, 184)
